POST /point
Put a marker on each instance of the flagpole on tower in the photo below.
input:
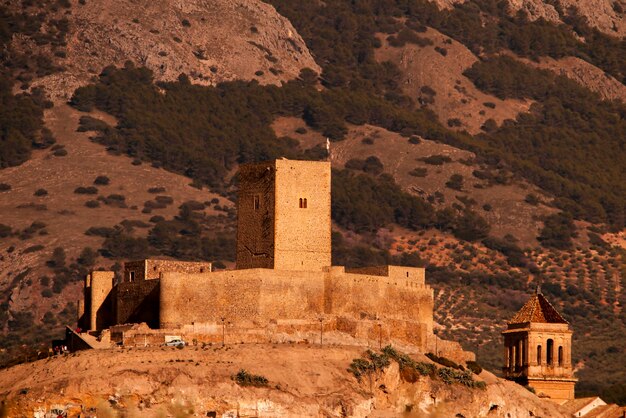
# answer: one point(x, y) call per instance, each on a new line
point(328, 148)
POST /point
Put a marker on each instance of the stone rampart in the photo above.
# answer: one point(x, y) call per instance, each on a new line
point(401, 303)
point(136, 302)
point(152, 268)
point(252, 295)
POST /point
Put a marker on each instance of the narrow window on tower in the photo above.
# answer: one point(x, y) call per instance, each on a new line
point(132, 276)
point(304, 202)
point(257, 202)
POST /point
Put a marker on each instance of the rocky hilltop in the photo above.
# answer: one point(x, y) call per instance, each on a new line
point(210, 41)
point(605, 15)
point(518, 170)
point(302, 380)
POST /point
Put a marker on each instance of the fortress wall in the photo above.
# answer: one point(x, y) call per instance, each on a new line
point(255, 225)
point(138, 268)
point(137, 302)
point(152, 268)
point(367, 296)
point(252, 295)
point(258, 297)
point(415, 274)
point(302, 235)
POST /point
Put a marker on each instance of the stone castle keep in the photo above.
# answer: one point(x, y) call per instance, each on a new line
point(284, 287)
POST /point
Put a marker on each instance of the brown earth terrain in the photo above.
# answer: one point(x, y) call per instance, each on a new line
point(456, 96)
point(508, 212)
point(303, 380)
point(605, 15)
point(63, 211)
point(210, 41)
point(585, 74)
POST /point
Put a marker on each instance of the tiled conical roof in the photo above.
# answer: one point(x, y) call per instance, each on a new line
point(538, 309)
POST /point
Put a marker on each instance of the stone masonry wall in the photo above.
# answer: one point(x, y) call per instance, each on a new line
point(397, 297)
point(258, 297)
point(151, 269)
point(302, 234)
point(99, 288)
point(255, 224)
point(137, 302)
point(252, 295)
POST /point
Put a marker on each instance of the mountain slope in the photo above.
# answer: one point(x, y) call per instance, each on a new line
point(210, 41)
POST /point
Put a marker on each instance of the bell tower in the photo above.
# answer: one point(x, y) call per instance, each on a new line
point(538, 350)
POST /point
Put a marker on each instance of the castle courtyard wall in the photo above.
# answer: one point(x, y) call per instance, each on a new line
point(152, 268)
point(251, 295)
point(137, 302)
point(362, 305)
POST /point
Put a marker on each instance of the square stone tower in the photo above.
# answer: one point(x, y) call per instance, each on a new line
point(538, 350)
point(284, 215)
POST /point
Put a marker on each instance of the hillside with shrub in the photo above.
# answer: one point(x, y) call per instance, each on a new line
point(551, 170)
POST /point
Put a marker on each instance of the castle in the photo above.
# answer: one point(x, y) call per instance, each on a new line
point(283, 287)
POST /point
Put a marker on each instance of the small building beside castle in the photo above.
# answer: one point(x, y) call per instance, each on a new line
point(283, 283)
point(538, 350)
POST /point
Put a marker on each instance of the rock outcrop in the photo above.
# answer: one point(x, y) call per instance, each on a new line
point(210, 41)
point(605, 15)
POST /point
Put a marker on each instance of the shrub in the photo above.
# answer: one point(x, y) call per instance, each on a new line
point(558, 231)
point(369, 363)
point(87, 257)
point(244, 378)
point(46, 293)
point(101, 231)
point(92, 204)
point(408, 36)
point(532, 199)
point(102, 181)
point(115, 200)
point(33, 249)
point(444, 361)
point(301, 130)
point(156, 190)
point(87, 123)
point(40, 192)
point(454, 123)
point(5, 231)
point(186, 23)
point(414, 140)
point(455, 182)
point(57, 261)
point(4, 187)
point(86, 190)
point(419, 172)
point(436, 159)
point(61, 152)
point(474, 367)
